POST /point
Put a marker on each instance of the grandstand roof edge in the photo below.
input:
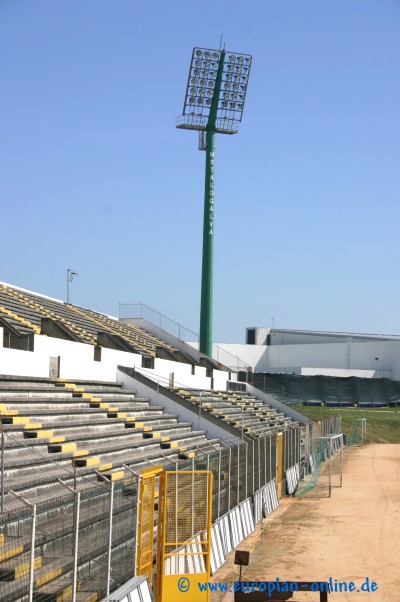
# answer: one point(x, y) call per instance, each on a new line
point(26, 290)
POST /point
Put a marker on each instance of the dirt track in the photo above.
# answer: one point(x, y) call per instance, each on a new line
point(352, 535)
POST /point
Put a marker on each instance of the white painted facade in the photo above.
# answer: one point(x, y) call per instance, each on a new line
point(76, 362)
point(351, 357)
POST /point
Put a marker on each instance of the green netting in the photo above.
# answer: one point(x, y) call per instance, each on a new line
point(357, 435)
point(335, 391)
point(314, 466)
point(323, 468)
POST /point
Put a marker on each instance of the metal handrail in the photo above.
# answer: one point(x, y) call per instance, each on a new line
point(179, 331)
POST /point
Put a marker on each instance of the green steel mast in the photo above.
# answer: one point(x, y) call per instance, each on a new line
point(214, 102)
point(206, 306)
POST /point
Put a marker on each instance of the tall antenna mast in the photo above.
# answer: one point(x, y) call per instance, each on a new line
point(215, 95)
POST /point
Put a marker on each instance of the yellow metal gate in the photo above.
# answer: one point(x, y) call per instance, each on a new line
point(145, 532)
point(184, 535)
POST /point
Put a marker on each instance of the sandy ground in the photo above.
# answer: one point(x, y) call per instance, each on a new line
point(352, 535)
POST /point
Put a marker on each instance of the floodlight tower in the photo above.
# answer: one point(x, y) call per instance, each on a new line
point(214, 101)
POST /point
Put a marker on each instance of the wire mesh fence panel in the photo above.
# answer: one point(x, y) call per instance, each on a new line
point(324, 467)
point(234, 476)
point(184, 528)
point(81, 541)
point(225, 477)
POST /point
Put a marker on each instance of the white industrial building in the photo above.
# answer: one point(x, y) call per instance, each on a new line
point(312, 353)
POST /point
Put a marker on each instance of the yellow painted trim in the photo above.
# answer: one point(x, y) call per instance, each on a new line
point(9, 412)
point(56, 439)
point(93, 597)
point(93, 461)
point(23, 569)
point(48, 577)
point(21, 420)
point(11, 553)
point(81, 452)
point(34, 426)
point(103, 467)
point(44, 434)
point(68, 447)
point(116, 476)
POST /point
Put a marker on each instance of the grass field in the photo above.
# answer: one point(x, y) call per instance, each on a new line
point(383, 424)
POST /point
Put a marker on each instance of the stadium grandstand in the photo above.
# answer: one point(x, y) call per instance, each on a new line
point(94, 411)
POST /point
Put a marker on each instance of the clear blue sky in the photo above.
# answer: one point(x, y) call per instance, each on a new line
point(94, 175)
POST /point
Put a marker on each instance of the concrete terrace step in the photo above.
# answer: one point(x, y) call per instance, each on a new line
point(129, 456)
point(67, 404)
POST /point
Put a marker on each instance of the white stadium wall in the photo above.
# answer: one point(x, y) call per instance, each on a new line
point(76, 361)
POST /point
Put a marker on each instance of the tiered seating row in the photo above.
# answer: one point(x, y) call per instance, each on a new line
point(80, 433)
point(243, 411)
point(24, 311)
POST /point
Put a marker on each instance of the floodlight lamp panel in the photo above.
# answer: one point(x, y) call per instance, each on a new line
point(201, 85)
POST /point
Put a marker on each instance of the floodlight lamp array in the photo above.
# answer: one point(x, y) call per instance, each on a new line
point(201, 84)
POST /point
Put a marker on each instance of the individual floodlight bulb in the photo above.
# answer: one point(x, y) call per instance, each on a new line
point(209, 101)
point(193, 90)
point(227, 86)
point(209, 92)
point(232, 58)
point(196, 71)
point(207, 54)
point(210, 83)
point(215, 55)
point(193, 81)
point(240, 59)
point(199, 101)
point(198, 52)
point(224, 103)
point(191, 100)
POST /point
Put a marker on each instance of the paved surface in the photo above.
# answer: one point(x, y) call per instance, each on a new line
point(352, 535)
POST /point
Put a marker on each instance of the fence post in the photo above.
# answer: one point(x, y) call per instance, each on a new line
point(137, 476)
point(2, 469)
point(33, 536)
point(77, 507)
point(110, 528)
